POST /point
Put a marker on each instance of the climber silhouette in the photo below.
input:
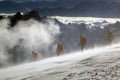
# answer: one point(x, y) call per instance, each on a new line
point(82, 42)
point(110, 37)
point(34, 56)
point(59, 49)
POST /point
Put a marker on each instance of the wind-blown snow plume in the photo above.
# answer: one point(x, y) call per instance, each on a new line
point(18, 43)
point(96, 31)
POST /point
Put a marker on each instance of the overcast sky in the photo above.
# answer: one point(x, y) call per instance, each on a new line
point(30, 0)
point(50, 0)
point(21, 0)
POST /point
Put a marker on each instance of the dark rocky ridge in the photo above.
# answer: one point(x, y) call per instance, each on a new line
point(18, 16)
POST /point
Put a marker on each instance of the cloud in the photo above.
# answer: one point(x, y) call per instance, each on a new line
point(17, 43)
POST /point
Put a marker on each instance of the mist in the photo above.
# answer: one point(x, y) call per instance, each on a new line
point(18, 43)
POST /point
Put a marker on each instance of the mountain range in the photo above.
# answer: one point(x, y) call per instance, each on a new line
point(93, 8)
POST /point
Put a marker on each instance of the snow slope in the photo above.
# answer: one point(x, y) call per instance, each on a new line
point(18, 43)
point(95, 64)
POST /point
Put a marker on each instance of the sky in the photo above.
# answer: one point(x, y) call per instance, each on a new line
point(50, 0)
point(27, 0)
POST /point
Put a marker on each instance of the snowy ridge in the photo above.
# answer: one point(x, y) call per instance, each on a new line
point(88, 65)
point(67, 20)
point(25, 38)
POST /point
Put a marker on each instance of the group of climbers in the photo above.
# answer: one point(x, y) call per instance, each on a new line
point(82, 44)
point(33, 14)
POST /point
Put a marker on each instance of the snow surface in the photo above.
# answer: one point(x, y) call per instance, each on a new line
point(18, 43)
point(95, 64)
point(67, 20)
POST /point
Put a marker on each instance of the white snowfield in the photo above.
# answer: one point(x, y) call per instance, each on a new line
point(95, 64)
point(67, 20)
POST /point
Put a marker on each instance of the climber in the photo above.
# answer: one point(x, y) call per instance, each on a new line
point(34, 56)
point(59, 49)
point(110, 36)
point(82, 42)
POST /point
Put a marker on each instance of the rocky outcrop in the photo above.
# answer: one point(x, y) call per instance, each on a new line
point(1, 17)
point(33, 14)
point(15, 19)
point(18, 16)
